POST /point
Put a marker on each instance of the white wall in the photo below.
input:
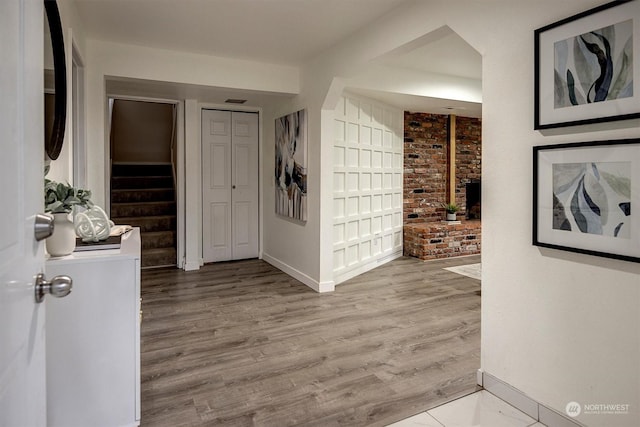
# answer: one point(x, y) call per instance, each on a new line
point(141, 132)
point(193, 182)
point(61, 169)
point(290, 245)
point(367, 185)
point(305, 250)
point(559, 327)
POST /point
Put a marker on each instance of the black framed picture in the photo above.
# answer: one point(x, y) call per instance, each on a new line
point(583, 194)
point(587, 67)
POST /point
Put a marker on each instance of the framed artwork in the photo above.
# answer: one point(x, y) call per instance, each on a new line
point(583, 194)
point(587, 67)
point(291, 165)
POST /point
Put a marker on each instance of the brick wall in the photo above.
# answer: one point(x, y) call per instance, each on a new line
point(425, 166)
point(468, 155)
point(426, 150)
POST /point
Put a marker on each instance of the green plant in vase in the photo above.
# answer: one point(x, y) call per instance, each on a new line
point(451, 209)
point(60, 200)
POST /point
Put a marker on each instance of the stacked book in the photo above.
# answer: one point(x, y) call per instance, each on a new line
point(111, 242)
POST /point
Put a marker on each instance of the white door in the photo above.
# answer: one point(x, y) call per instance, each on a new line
point(244, 185)
point(22, 358)
point(229, 185)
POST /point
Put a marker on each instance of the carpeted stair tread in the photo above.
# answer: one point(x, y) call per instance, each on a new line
point(149, 223)
point(142, 195)
point(158, 257)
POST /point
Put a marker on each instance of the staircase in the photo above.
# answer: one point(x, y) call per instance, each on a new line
point(144, 196)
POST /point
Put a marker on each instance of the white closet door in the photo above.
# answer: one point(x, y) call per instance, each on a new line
point(216, 185)
point(229, 185)
point(244, 185)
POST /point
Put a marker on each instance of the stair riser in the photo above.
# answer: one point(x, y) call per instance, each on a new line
point(158, 258)
point(165, 239)
point(142, 209)
point(134, 182)
point(141, 170)
point(133, 196)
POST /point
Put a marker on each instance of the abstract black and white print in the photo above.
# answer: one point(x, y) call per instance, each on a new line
point(595, 66)
point(592, 198)
point(291, 165)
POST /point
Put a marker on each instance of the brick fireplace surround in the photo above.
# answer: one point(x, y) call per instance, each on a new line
point(426, 184)
point(434, 240)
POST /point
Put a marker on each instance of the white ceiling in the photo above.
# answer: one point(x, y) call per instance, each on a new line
point(275, 31)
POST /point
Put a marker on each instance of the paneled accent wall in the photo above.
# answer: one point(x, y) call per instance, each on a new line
point(367, 180)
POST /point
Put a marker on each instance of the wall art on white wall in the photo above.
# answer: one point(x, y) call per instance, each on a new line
point(291, 165)
point(583, 198)
point(587, 67)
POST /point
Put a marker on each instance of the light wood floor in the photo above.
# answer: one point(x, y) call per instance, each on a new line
point(242, 344)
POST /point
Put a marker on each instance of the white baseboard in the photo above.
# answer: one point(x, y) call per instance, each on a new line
point(363, 268)
point(191, 265)
point(327, 286)
point(526, 404)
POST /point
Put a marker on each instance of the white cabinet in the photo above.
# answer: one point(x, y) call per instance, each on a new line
point(93, 338)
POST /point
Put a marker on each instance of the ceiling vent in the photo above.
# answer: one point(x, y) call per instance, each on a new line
point(235, 101)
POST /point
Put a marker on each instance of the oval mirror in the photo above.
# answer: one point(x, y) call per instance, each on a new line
point(53, 144)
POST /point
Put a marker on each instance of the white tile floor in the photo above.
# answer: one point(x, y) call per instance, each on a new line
point(480, 409)
point(470, 270)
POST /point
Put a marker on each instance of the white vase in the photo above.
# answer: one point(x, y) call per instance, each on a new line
point(63, 240)
point(451, 216)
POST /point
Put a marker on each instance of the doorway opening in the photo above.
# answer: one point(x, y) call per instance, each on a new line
point(434, 84)
point(443, 165)
point(78, 119)
point(143, 175)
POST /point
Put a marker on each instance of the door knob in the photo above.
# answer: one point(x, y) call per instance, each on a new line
point(59, 286)
point(43, 227)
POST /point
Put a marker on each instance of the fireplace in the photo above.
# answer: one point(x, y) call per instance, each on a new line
point(473, 195)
